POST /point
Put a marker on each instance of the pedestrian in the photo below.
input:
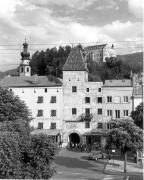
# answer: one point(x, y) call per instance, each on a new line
point(81, 147)
point(89, 148)
point(73, 146)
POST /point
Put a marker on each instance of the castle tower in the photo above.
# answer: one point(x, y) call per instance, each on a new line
point(24, 68)
point(75, 68)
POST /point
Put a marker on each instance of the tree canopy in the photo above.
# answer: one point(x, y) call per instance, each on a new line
point(125, 135)
point(137, 115)
point(51, 61)
point(22, 155)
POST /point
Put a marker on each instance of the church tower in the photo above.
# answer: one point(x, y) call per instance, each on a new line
point(24, 68)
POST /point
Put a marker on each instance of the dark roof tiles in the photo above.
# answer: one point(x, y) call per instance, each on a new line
point(75, 61)
point(32, 81)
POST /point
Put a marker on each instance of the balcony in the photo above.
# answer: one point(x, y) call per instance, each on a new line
point(86, 117)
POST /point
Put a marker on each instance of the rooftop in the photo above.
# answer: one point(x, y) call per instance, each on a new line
point(75, 61)
point(101, 46)
point(32, 81)
point(118, 83)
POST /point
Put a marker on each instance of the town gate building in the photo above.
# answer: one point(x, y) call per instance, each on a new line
point(82, 100)
point(72, 109)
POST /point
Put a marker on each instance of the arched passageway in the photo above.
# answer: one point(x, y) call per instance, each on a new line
point(74, 138)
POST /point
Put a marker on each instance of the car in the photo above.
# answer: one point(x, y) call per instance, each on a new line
point(95, 155)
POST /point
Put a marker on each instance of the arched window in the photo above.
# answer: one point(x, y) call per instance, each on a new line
point(27, 69)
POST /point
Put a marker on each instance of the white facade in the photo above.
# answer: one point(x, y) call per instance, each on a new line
point(74, 105)
point(117, 102)
point(39, 98)
point(138, 90)
point(99, 53)
point(72, 122)
point(109, 52)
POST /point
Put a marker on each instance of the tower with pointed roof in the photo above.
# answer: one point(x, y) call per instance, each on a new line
point(75, 68)
point(24, 68)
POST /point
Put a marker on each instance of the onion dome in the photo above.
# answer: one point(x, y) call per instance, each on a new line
point(25, 54)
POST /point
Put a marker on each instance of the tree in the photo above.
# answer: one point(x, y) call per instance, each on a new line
point(21, 154)
point(125, 135)
point(137, 115)
point(37, 161)
point(50, 62)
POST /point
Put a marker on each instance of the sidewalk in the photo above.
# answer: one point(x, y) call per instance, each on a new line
point(118, 167)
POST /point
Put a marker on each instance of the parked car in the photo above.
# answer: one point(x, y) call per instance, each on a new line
point(95, 155)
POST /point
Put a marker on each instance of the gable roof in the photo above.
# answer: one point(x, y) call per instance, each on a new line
point(31, 81)
point(75, 61)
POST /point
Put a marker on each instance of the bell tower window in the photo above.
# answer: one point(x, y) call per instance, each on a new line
point(27, 69)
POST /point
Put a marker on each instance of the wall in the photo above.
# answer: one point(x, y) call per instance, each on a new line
point(30, 96)
point(77, 100)
point(117, 92)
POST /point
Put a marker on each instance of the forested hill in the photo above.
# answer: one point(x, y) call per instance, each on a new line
point(9, 72)
point(132, 59)
point(51, 61)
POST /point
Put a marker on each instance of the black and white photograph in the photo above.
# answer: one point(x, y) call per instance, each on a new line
point(71, 89)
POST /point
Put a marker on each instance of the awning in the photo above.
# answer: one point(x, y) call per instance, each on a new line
point(49, 132)
point(95, 132)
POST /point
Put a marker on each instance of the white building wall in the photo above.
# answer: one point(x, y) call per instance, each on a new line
point(117, 92)
point(137, 100)
point(30, 96)
point(77, 100)
point(108, 52)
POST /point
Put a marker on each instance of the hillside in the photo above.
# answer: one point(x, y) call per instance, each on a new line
point(12, 72)
point(134, 60)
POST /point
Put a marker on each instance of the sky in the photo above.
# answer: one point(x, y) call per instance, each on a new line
point(49, 23)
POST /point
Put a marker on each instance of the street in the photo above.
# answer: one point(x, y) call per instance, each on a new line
point(74, 165)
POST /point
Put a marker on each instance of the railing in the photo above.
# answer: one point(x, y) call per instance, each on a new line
point(86, 117)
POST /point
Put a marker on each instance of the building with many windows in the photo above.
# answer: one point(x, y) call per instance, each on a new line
point(73, 108)
point(82, 100)
point(43, 96)
point(117, 99)
point(99, 53)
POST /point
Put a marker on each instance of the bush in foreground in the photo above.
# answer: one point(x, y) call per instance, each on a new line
point(22, 155)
